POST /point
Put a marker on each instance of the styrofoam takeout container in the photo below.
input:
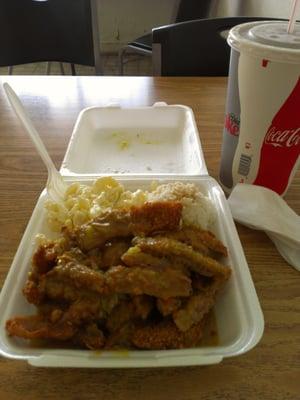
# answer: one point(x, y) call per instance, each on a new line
point(238, 313)
point(139, 141)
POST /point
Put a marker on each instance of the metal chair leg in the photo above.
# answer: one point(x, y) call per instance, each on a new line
point(96, 37)
point(62, 70)
point(73, 69)
point(156, 59)
point(48, 68)
point(10, 70)
point(121, 61)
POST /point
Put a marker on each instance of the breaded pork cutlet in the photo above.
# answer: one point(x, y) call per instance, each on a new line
point(135, 257)
point(166, 335)
point(37, 327)
point(197, 262)
point(76, 323)
point(133, 277)
point(203, 241)
point(155, 217)
point(168, 306)
point(142, 220)
point(158, 283)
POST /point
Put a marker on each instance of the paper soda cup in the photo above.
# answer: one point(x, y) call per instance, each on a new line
point(261, 136)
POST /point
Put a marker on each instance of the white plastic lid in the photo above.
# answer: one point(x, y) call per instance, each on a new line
point(158, 140)
point(267, 39)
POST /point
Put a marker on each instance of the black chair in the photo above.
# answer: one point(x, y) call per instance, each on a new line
point(195, 48)
point(52, 30)
point(184, 10)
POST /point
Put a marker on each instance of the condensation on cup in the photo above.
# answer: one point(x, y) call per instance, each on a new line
point(261, 137)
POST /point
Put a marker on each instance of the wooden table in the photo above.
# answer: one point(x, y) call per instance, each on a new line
point(270, 371)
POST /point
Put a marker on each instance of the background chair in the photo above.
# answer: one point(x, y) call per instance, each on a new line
point(184, 10)
point(194, 48)
point(52, 30)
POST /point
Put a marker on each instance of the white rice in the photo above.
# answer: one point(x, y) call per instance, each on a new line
point(198, 209)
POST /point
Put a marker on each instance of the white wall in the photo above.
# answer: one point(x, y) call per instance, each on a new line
point(257, 8)
point(270, 8)
point(120, 21)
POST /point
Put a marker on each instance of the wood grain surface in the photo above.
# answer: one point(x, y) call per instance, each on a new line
point(271, 371)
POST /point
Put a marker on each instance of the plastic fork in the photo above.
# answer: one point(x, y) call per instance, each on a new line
point(55, 186)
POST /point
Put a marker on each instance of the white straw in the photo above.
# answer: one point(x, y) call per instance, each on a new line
point(292, 20)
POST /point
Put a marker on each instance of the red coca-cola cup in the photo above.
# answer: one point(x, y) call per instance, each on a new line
point(261, 137)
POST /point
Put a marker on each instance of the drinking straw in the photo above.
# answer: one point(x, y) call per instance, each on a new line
point(292, 20)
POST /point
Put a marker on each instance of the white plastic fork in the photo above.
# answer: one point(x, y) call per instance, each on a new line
point(55, 186)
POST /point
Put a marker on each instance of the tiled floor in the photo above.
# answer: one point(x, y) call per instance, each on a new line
point(136, 65)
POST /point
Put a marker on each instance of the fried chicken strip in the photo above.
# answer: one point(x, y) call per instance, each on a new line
point(203, 241)
point(127, 309)
point(60, 272)
point(165, 283)
point(37, 327)
point(76, 322)
point(113, 251)
point(113, 224)
point(155, 217)
point(161, 246)
point(34, 291)
point(46, 255)
point(89, 336)
point(82, 305)
point(92, 259)
point(120, 322)
point(120, 337)
point(75, 285)
point(198, 305)
point(166, 335)
point(143, 305)
point(168, 306)
point(142, 220)
point(120, 315)
point(135, 257)
point(80, 276)
point(44, 258)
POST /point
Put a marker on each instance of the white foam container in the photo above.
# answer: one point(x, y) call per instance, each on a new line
point(139, 141)
point(238, 313)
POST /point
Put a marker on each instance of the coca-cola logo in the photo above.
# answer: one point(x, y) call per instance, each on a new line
point(232, 124)
point(286, 138)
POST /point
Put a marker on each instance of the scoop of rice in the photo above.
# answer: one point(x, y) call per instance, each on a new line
point(197, 208)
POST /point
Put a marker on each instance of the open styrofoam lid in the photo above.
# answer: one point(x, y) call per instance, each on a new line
point(161, 139)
